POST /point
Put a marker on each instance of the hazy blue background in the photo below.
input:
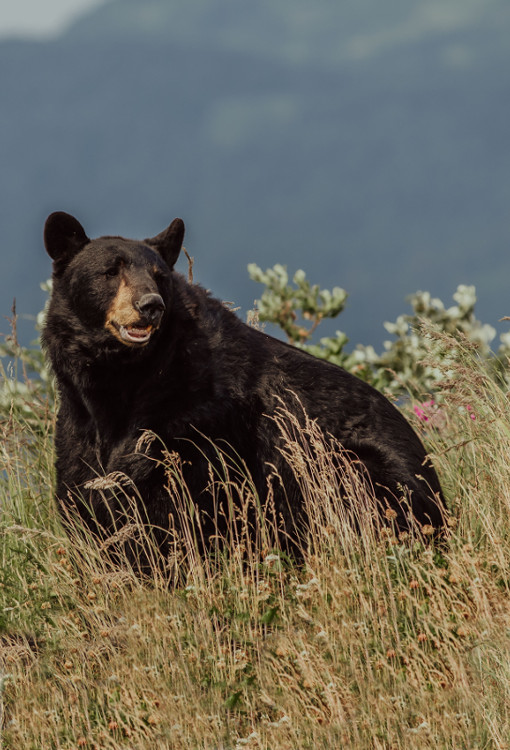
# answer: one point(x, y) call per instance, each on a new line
point(365, 142)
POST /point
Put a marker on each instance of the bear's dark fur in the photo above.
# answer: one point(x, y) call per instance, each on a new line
point(136, 348)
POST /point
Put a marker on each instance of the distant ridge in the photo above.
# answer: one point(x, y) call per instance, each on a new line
point(367, 143)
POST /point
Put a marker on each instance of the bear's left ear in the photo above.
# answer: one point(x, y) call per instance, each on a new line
point(64, 236)
point(169, 242)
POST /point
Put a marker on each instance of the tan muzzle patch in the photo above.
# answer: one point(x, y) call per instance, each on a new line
point(123, 320)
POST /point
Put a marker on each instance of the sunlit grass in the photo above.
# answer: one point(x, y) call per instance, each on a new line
point(372, 642)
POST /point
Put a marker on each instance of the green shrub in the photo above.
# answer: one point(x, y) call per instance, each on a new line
point(405, 365)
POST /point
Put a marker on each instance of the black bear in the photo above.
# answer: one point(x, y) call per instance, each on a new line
point(137, 348)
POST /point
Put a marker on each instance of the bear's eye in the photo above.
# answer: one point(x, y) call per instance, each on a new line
point(111, 272)
point(160, 271)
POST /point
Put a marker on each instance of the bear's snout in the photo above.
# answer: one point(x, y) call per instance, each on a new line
point(133, 319)
point(151, 306)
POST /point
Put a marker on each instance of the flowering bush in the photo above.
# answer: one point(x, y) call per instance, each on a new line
point(408, 362)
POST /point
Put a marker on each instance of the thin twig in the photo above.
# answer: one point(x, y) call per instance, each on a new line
point(190, 265)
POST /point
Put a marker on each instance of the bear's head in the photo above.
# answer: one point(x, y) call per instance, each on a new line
point(112, 287)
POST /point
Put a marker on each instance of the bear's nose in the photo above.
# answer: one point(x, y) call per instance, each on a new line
point(150, 305)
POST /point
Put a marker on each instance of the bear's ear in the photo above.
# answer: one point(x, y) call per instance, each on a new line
point(169, 242)
point(64, 236)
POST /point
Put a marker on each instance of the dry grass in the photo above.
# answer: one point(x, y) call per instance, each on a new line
point(373, 642)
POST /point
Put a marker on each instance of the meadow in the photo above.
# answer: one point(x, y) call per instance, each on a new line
point(376, 640)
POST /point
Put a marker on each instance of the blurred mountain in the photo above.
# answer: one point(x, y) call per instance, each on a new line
point(365, 142)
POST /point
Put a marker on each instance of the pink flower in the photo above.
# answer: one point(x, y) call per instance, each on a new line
point(429, 412)
point(421, 411)
point(420, 414)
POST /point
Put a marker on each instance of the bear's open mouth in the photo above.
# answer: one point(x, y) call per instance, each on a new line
point(135, 334)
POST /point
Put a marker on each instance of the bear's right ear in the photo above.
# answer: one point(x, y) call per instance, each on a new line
point(169, 242)
point(64, 236)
